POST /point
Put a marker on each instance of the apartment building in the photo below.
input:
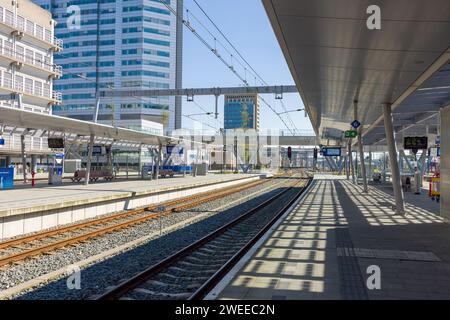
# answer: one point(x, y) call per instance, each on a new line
point(27, 46)
point(134, 44)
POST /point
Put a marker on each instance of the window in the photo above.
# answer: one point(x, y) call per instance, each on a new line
point(18, 84)
point(8, 48)
point(29, 56)
point(38, 88)
point(47, 90)
point(29, 86)
point(38, 59)
point(39, 32)
point(20, 53)
point(7, 79)
point(21, 23)
point(30, 27)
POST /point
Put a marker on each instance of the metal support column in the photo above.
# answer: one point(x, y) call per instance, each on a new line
point(33, 166)
point(370, 175)
point(347, 170)
point(350, 160)
point(216, 112)
point(24, 157)
point(392, 148)
point(97, 108)
point(89, 160)
point(158, 163)
point(361, 148)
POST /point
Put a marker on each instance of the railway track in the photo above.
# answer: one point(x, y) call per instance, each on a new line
point(18, 249)
point(193, 271)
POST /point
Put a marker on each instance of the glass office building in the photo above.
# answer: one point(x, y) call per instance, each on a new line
point(241, 111)
point(112, 45)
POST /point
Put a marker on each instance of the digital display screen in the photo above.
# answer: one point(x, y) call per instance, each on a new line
point(97, 150)
point(415, 143)
point(331, 152)
point(55, 143)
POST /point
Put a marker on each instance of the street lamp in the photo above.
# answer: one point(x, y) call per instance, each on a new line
point(199, 114)
point(296, 110)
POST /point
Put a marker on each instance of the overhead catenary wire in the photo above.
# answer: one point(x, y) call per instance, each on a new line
point(214, 50)
point(243, 59)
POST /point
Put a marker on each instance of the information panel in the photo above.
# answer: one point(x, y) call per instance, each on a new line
point(418, 143)
point(55, 143)
point(331, 152)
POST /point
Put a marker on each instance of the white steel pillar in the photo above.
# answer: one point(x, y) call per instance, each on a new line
point(24, 157)
point(392, 149)
point(350, 160)
point(361, 149)
point(158, 163)
point(347, 171)
point(89, 160)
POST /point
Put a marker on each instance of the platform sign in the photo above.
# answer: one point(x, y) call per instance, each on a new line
point(169, 149)
point(2, 142)
point(356, 124)
point(415, 143)
point(350, 133)
point(435, 152)
point(331, 152)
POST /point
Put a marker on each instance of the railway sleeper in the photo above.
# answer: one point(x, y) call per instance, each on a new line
point(183, 295)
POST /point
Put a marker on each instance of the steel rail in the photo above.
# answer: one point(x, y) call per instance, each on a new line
point(120, 215)
point(218, 276)
point(130, 284)
point(116, 227)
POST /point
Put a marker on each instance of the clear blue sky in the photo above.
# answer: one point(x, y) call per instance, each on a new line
point(247, 26)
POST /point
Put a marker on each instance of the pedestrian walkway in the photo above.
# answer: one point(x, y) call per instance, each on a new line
point(322, 250)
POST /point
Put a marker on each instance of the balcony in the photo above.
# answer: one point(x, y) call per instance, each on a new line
point(20, 59)
point(33, 91)
point(21, 27)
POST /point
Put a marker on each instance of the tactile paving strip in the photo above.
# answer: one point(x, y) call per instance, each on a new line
point(352, 283)
point(387, 254)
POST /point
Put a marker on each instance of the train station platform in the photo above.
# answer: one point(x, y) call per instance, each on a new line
point(28, 209)
point(328, 245)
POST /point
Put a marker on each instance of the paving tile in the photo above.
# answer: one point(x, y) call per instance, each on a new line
point(413, 252)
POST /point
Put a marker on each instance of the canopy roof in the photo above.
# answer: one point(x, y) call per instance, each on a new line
point(335, 59)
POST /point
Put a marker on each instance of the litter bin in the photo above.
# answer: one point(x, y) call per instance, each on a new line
point(55, 175)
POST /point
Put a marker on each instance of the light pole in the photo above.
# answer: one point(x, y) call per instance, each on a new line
point(289, 111)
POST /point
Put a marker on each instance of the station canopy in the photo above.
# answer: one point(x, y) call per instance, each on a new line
point(38, 124)
point(335, 59)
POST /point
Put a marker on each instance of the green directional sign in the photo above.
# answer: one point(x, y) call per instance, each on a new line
point(350, 133)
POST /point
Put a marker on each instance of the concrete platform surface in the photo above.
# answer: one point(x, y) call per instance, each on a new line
point(337, 239)
point(25, 199)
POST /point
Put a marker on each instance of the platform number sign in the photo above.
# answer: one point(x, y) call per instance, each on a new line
point(356, 124)
point(350, 133)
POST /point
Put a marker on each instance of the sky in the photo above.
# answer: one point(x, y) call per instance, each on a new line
point(247, 26)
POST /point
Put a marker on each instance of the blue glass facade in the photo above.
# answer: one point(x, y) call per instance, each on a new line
point(119, 45)
point(241, 111)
